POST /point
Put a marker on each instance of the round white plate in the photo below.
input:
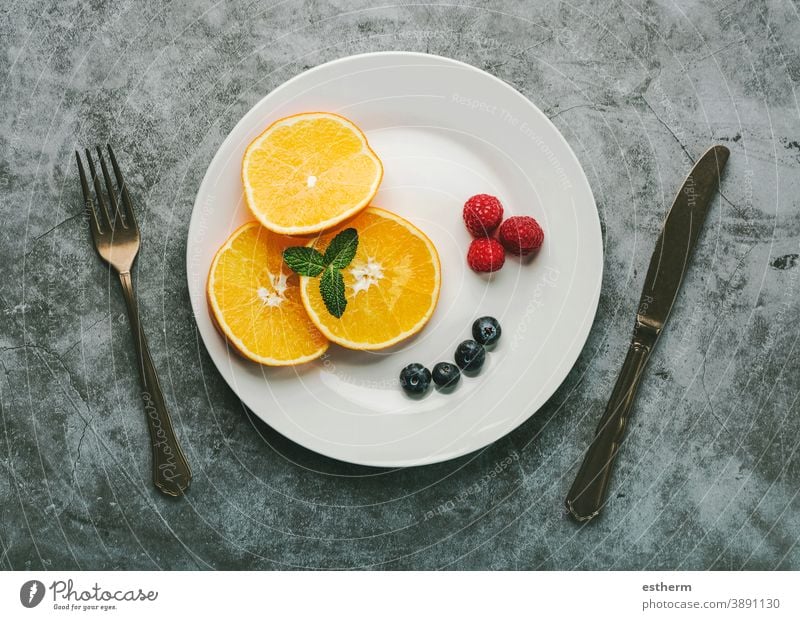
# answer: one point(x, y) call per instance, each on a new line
point(444, 131)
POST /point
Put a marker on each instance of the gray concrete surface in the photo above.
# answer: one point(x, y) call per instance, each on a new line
point(710, 472)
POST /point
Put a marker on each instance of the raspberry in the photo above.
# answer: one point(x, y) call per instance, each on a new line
point(482, 214)
point(521, 235)
point(485, 255)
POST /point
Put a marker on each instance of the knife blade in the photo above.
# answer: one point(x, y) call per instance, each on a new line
point(665, 274)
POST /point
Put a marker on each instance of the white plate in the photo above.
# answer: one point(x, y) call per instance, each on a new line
point(444, 131)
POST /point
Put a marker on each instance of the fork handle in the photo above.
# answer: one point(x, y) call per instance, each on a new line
point(171, 472)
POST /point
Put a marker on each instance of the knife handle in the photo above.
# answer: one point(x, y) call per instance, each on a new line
point(587, 494)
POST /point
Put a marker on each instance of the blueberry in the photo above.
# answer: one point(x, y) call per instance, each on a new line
point(470, 355)
point(415, 379)
point(486, 330)
point(445, 374)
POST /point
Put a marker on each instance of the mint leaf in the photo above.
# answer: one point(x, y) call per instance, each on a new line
point(331, 287)
point(303, 260)
point(342, 248)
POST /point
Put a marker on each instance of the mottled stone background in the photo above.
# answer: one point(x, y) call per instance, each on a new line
point(709, 477)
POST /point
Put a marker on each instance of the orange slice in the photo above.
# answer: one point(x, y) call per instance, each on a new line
point(391, 285)
point(255, 302)
point(308, 172)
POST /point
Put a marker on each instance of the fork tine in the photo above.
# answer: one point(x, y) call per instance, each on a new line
point(98, 190)
point(115, 212)
point(87, 199)
point(130, 218)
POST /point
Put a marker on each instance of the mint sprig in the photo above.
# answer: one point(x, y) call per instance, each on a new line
point(309, 262)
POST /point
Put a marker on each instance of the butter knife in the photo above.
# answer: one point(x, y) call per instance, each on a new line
point(664, 276)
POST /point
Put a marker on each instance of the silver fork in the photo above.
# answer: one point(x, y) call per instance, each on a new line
point(116, 238)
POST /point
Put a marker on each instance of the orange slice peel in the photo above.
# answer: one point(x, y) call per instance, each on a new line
point(255, 301)
point(308, 172)
point(391, 285)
